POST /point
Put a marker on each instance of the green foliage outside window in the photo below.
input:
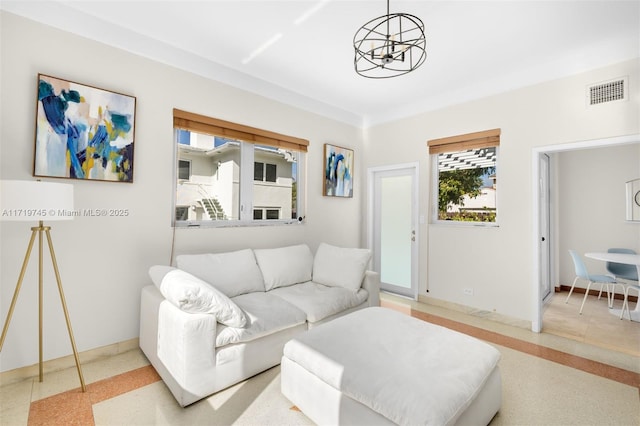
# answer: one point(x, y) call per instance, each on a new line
point(453, 185)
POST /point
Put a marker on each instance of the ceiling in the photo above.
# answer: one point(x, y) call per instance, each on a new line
point(301, 52)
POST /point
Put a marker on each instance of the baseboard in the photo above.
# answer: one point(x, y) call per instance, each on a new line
point(592, 292)
point(493, 316)
point(31, 371)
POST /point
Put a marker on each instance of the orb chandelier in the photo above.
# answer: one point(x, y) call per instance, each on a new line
point(390, 45)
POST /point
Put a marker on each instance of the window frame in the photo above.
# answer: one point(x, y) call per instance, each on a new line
point(249, 137)
point(476, 140)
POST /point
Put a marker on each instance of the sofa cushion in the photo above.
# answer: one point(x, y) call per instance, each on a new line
point(157, 273)
point(340, 267)
point(232, 273)
point(266, 314)
point(285, 265)
point(191, 294)
point(319, 301)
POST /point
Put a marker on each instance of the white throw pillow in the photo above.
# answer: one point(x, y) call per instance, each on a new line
point(285, 266)
point(340, 267)
point(193, 295)
point(232, 273)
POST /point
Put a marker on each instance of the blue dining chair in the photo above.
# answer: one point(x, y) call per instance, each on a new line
point(621, 270)
point(627, 273)
point(582, 273)
point(625, 303)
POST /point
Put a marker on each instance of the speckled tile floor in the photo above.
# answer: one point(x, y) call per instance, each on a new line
point(547, 380)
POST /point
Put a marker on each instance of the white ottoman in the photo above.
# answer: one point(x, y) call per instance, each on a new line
point(378, 366)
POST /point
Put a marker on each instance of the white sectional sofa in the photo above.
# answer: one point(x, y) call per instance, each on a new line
point(218, 319)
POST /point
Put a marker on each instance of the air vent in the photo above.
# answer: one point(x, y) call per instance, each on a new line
point(608, 91)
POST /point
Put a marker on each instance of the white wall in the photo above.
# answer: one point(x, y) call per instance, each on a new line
point(104, 261)
point(591, 205)
point(497, 262)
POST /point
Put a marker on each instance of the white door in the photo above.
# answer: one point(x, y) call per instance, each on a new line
point(393, 236)
point(545, 230)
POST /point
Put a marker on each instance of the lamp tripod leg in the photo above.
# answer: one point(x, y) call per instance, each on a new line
point(7, 321)
point(64, 308)
point(40, 301)
point(16, 292)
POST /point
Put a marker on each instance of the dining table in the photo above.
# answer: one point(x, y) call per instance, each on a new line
point(628, 259)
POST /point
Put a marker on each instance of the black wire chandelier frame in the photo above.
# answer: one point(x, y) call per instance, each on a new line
point(389, 46)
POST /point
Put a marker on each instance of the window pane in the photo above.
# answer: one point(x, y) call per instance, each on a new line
point(270, 175)
point(467, 185)
point(258, 171)
point(182, 213)
point(279, 196)
point(214, 181)
point(184, 170)
point(208, 177)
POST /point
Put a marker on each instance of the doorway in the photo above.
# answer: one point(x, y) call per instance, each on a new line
point(392, 234)
point(542, 206)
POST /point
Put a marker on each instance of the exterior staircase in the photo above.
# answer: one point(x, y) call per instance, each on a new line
point(211, 205)
point(213, 208)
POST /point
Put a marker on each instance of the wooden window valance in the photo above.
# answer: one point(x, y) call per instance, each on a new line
point(212, 126)
point(484, 139)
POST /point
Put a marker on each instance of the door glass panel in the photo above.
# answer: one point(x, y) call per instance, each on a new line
point(395, 231)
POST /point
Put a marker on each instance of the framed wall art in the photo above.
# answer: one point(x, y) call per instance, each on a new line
point(338, 171)
point(83, 132)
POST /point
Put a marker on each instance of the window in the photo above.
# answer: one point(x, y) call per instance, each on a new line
point(268, 214)
point(184, 169)
point(465, 178)
point(258, 171)
point(223, 189)
point(182, 213)
point(270, 173)
point(264, 172)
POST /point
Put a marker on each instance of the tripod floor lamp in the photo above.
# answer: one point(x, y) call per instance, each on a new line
point(38, 201)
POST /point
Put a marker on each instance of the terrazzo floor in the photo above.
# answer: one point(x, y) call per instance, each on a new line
point(548, 379)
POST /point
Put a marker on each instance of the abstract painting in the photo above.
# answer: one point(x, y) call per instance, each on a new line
point(338, 171)
point(83, 132)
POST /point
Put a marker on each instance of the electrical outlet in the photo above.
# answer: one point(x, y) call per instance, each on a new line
point(468, 291)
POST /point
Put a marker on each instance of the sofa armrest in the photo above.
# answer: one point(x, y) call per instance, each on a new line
point(186, 343)
point(371, 283)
